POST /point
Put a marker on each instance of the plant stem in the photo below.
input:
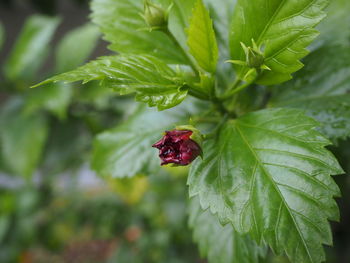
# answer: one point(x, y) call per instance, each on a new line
point(206, 120)
point(196, 69)
point(235, 84)
point(232, 87)
point(197, 94)
point(236, 89)
point(217, 128)
point(221, 108)
point(193, 65)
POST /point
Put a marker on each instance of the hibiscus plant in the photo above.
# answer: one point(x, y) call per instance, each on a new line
point(233, 96)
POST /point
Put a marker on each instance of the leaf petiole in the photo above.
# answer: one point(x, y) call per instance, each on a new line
point(190, 60)
point(236, 88)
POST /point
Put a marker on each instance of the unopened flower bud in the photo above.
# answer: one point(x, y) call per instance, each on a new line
point(154, 15)
point(254, 59)
point(179, 147)
point(254, 56)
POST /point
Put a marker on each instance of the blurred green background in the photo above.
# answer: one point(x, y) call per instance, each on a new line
point(53, 208)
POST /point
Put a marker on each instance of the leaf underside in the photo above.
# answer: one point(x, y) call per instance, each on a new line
point(268, 174)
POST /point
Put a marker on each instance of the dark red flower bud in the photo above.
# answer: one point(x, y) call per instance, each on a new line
point(177, 147)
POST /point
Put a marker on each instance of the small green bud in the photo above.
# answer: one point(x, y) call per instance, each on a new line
point(254, 57)
point(254, 60)
point(154, 15)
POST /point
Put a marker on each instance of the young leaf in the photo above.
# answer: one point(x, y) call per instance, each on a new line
point(284, 27)
point(31, 47)
point(152, 80)
point(123, 26)
point(221, 12)
point(221, 244)
point(179, 20)
point(22, 139)
point(322, 90)
point(201, 38)
point(268, 173)
point(127, 149)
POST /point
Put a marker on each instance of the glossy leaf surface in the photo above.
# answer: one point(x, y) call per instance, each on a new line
point(221, 244)
point(153, 81)
point(268, 173)
point(123, 26)
point(283, 28)
point(322, 90)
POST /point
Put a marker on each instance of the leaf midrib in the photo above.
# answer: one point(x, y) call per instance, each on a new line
point(269, 23)
point(244, 139)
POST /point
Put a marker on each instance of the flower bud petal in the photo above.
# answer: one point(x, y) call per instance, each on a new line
point(176, 147)
point(154, 15)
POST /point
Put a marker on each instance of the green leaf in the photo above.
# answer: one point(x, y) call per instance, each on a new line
point(31, 48)
point(268, 173)
point(221, 12)
point(5, 223)
point(54, 97)
point(122, 25)
point(335, 28)
point(73, 50)
point(322, 90)
point(201, 38)
point(153, 81)
point(179, 20)
point(127, 149)
point(221, 244)
point(66, 147)
point(76, 47)
point(2, 35)
point(284, 27)
point(22, 139)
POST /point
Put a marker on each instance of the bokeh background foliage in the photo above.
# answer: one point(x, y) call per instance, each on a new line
point(53, 208)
